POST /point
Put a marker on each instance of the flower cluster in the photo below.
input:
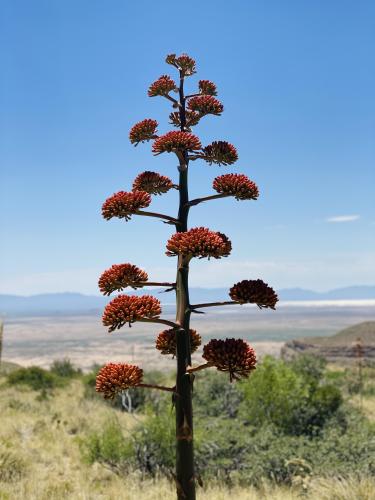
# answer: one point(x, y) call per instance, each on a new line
point(128, 309)
point(120, 276)
point(231, 355)
point(152, 183)
point(143, 131)
point(220, 152)
point(237, 185)
point(123, 205)
point(117, 377)
point(207, 88)
point(254, 292)
point(192, 118)
point(166, 341)
point(184, 63)
point(162, 86)
point(205, 105)
point(199, 242)
point(176, 141)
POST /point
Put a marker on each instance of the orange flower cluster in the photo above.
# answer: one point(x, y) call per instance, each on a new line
point(254, 292)
point(199, 242)
point(176, 141)
point(166, 341)
point(143, 131)
point(152, 183)
point(192, 118)
point(184, 63)
point(221, 153)
point(128, 309)
point(231, 355)
point(205, 105)
point(162, 86)
point(117, 377)
point(123, 205)
point(120, 276)
point(207, 88)
point(237, 185)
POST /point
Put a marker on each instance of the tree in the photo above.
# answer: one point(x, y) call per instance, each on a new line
point(234, 356)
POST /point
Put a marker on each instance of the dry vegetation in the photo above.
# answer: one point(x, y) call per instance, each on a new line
point(40, 457)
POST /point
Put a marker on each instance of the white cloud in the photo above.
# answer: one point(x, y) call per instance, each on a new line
point(343, 218)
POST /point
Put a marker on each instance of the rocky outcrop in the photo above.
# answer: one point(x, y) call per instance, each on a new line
point(335, 352)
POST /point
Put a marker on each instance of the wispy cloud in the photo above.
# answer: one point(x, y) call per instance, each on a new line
point(343, 218)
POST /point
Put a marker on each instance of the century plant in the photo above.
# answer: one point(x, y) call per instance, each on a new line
point(234, 356)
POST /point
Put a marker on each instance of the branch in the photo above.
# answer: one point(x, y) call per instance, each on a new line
point(198, 368)
point(160, 321)
point(192, 95)
point(175, 102)
point(160, 387)
point(171, 220)
point(206, 198)
point(212, 304)
point(156, 283)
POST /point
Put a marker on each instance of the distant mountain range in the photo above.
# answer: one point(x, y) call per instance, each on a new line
point(76, 303)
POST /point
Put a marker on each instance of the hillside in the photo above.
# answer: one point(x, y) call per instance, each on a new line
point(342, 345)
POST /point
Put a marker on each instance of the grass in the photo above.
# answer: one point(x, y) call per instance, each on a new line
point(40, 457)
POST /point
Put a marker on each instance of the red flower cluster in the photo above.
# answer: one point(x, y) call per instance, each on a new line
point(143, 131)
point(237, 185)
point(166, 341)
point(207, 88)
point(254, 292)
point(199, 242)
point(117, 377)
point(152, 183)
point(123, 205)
point(162, 86)
point(220, 152)
point(231, 355)
point(128, 309)
point(192, 118)
point(205, 105)
point(184, 63)
point(120, 276)
point(176, 141)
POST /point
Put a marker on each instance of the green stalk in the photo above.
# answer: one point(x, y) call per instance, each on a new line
point(185, 476)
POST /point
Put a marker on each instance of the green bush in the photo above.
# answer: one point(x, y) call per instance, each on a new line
point(34, 377)
point(289, 396)
point(108, 447)
point(64, 368)
point(214, 396)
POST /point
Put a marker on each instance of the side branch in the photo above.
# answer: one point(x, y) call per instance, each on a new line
point(176, 104)
point(199, 368)
point(196, 201)
point(156, 283)
point(171, 220)
point(161, 321)
point(160, 387)
point(212, 304)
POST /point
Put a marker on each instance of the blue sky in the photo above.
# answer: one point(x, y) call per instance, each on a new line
point(297, 81)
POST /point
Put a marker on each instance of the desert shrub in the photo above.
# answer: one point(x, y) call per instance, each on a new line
point(34, 377)
point(311, 368)
point(64, 368)
point(289, 396)
point(12, 467)
point(215, 397)
point(108, 447)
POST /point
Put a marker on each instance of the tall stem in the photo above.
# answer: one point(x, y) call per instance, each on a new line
point(185, 477)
